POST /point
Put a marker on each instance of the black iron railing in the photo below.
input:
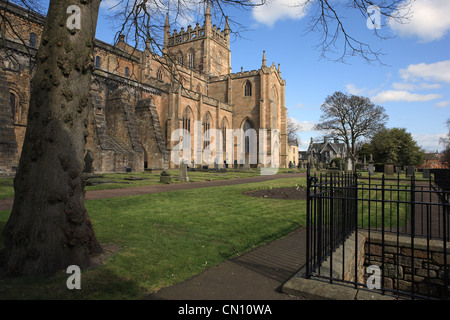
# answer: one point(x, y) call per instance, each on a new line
point(404, 222)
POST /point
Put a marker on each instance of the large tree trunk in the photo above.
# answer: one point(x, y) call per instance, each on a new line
point(49, 227)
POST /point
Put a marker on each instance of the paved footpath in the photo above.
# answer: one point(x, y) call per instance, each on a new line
point(256, 275)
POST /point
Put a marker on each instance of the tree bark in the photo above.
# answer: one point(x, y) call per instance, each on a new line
point(49, 227)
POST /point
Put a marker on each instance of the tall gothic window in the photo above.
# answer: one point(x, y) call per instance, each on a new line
point(127, 72)
point(13, 105)
point(207, 134)
point(224, 134)
point(97, 62)
point(186, 121)
point(33, 39)
point(159, 75)
point(180, 58)
point(186, 126)
point(274, 108)
point(247, 125)
point(219, 63)
point(191, 61)
point(248, 89)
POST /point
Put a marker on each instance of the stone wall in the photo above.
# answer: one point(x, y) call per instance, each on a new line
point(426, 267)
point(343, 266)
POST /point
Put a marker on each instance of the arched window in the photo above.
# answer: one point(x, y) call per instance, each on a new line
point(180, 58)
point(159, 75)
point(248, 89)
point(97, 62)
point(224, 133)
point(219, 64)
point(33, 39)
point(187, 120)
point(12, 103)
point(206, 133)
point(191, 60)
point(247, 125)
point(274, 108)
point(127, 72)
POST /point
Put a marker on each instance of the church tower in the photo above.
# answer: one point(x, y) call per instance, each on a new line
point(205, 49)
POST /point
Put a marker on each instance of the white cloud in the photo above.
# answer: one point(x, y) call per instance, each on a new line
point(412, 86)
point(352, 89)
point(443, 104)
point(395, 95)
point(428, 20)
point(429, 142)
point(276, 10)
point(438, 71)
point(304, 125)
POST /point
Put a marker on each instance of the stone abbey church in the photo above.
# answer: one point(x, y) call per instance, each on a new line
point(136, 103)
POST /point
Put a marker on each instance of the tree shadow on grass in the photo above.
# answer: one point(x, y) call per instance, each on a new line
point(98, 282)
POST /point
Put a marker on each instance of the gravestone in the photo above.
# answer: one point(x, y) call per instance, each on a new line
point(349, 165)
point(398, 170)
point(389, 169)
point(426, 173)
point(410, 171)
point(371, 169)
point(183, 173)
point(88, 159)
point(246, 165)
point(165, 177)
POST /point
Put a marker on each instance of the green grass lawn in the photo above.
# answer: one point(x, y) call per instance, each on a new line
point(166, 238)
point(124, 180)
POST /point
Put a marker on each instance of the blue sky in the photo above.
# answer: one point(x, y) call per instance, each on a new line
point(412, 85)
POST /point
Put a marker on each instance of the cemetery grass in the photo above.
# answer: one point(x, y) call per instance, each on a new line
point(160, 239)
point(135, 179)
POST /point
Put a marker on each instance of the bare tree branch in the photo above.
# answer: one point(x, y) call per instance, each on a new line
point(350, 118)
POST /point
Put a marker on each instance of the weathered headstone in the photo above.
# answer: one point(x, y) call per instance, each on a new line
point(398, 170)
point(371, 169)
point(426, 173)
point(349, 165)
point(389, 169)
point(88, 159)
point(165, 177)
point(246, 165)
point(410, 171)
point(183, 173)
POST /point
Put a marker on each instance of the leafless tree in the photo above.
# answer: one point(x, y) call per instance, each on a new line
point(350, 118)
point(292, 131)
point(328, 19)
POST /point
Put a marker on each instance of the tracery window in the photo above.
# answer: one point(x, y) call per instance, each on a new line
point(248, 89)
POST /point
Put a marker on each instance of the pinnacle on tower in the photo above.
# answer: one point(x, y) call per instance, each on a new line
point(166, 32)
point(264, 60)
point(227, 27)
point(208, 11)
point(166, 24)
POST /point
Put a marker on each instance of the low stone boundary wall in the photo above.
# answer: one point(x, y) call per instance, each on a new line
point(344, 260)
point(424, 273)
